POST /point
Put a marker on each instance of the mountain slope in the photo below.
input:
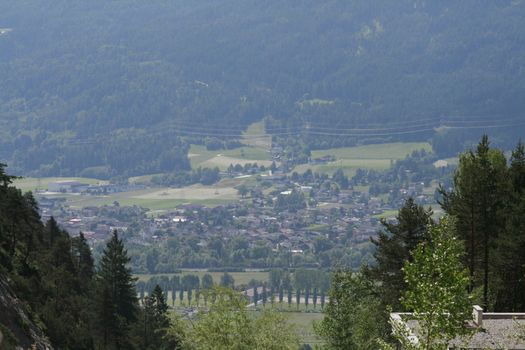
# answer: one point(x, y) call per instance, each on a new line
point(87, 86)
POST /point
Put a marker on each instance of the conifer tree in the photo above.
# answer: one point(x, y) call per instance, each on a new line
point(255, 296)
point(264, 296)
point(477, 203)
point(117, 298)
point(83, 259)
point(306, 297)
point(510, 261)
point(156, 320)
point(393, 249)
point(181, 294)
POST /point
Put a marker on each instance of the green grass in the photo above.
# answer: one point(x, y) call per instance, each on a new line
point(32, 183)
point(386, 214)
point(157, 198)
point(349, 166)
point(318, 228)
point(201, 157)
point(375, 157)
point(303, 322)
point(255, 136)
point(256, 150)
point(396, 150)
point(151, 204)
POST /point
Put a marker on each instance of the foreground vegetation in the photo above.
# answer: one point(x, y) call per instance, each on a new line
point(436, 270)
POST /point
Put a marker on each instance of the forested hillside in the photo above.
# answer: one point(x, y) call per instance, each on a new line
point(120, 88)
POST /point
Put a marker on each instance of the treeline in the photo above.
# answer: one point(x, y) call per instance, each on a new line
point(117, 102)
point(488, 200)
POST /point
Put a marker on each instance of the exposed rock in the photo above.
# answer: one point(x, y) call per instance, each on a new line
point(17, 330)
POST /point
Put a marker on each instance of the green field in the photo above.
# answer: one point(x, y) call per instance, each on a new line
point(376, 157)
point(156, 198)
point(201, 157)
point(303, 322)
point(349, 166)
point(256, 150)
point(33, 183)
point(396, 150)
point(386, 214)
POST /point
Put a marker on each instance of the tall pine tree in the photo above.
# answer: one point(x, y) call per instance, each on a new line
point(477, 202)
point(393, 250)
point(117, 298)
point(510, 258)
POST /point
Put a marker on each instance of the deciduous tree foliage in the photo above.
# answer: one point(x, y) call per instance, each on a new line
point(436, 290)
point(354, 317)
point(228, 325)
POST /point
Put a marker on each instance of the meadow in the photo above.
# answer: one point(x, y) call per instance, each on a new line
point(34, 184)
point(201, 157)
point(374, 156)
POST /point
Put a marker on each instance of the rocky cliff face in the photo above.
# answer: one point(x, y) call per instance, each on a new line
point(17, 331)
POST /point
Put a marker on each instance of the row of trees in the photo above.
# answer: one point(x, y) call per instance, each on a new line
point(300, 297)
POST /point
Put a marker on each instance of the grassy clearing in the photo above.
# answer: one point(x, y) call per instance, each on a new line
point(152, 198)
point(349, 166)
point(151, 204)
point(252, 137)
point(33, 183)
point(303, 321)
point(396, 150)
point(256, 149)
point(201, 157)
point(376, 157)
point(386, 214)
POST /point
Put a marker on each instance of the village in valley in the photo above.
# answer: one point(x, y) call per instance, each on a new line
point(284, 219)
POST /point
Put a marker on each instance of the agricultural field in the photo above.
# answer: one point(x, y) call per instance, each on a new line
point(256, 150)
point(33, 183)
point(387, 214)
point(201, 157)
point(304, 324)
point(157, 198)
point(375, 156)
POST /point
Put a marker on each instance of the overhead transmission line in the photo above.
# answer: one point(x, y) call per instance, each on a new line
point(424, 125)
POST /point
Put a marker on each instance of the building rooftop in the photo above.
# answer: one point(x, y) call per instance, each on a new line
point(490, 330)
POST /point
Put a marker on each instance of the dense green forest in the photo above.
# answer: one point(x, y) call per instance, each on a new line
point(122, 87)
